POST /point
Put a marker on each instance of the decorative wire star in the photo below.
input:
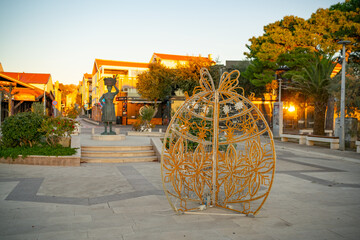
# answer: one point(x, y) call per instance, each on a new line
point(239, 105)
point(226, 109)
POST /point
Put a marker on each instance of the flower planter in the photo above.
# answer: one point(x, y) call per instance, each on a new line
point(65, 141)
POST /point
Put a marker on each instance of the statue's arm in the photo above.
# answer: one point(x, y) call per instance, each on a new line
point(102, 97)
point(116, 90)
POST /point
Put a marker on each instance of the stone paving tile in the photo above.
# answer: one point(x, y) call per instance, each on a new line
point(303, 234)
point(31, 236)
point(347, 232)
point(110, 232)
point(6, 188)
point(71, 220)
point(61, 235)
point(341, 177)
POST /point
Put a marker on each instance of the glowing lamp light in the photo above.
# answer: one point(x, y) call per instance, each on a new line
point(291, 109)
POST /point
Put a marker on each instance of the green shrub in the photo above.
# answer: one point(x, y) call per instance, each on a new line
point(56, 150)
point(38, 107)
point(22, 129)
point(72, 112)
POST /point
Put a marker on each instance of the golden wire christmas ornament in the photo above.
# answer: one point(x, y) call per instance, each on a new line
point(218, 150)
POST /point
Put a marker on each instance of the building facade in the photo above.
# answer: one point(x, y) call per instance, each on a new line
point(24, 91)
point(128, 101)
point(86, 92)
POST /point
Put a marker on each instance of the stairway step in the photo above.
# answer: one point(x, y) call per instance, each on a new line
point(117, 153)
point(116, 148)
point(118, 159)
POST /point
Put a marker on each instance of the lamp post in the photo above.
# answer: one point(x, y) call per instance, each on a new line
point(342, 100)
point(278, 125)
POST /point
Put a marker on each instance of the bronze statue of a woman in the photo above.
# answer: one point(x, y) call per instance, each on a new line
point(108, 109)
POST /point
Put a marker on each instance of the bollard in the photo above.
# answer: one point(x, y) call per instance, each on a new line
point(93, 131)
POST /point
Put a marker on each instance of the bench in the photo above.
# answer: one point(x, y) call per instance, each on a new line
point(334, 141)
point(357, 146)
point(305, 131)
point(285, 137)
point(310, 131)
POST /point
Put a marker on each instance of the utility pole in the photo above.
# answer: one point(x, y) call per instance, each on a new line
point(342, 100)
point(1, 94)
point(45, 99)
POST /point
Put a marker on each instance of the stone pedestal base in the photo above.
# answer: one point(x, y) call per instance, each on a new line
point(119, 137)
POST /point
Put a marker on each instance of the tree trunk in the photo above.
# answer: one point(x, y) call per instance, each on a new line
point(330, 114)
point(319, 117)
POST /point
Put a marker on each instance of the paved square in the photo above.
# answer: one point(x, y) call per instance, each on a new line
point(316, 195)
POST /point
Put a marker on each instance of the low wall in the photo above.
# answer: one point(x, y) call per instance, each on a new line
point(44, 160)
point(146, 134)
point(157, 146)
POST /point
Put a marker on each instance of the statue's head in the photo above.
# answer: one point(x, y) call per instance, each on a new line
point(109, 87)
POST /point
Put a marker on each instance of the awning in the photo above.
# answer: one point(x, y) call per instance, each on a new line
point(130, 101)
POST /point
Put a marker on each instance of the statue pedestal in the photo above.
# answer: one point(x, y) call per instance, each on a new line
point(119, 137)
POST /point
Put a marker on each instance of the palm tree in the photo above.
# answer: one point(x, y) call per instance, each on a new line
point(314, 82)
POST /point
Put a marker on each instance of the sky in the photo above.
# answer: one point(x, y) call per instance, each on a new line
point(64, 37)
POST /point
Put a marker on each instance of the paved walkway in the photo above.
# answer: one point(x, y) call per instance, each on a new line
point(315, 195)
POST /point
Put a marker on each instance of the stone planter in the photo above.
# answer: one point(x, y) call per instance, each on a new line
point(65, 141)
point(44, 160)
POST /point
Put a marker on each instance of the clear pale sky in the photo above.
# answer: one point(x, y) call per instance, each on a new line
point(63, 37)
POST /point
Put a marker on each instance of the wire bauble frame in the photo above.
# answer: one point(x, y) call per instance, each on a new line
point(218, 150)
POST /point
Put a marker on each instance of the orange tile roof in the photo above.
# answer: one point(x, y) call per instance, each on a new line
point(39, 78)
point(176, 57)
point(87, 75)
point(20, 83)
point(24, 93)
point(101, 62)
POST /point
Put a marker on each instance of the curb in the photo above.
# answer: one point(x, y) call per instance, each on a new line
point(91, 121)
point(328, 155)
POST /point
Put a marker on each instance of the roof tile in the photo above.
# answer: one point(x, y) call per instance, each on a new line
point(177, 57)
point(101, 62)
point(39, 78)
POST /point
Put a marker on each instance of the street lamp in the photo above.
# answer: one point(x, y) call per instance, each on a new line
point(342, 100)
point(278, 125)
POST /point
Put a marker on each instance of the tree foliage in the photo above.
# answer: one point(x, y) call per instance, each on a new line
point(160, 82)
point(156, 84)
point(319, 33)
point(188, 75)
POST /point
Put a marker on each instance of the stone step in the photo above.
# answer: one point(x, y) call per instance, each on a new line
point(116, 148)
point(118, 159)
point(117, 153)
